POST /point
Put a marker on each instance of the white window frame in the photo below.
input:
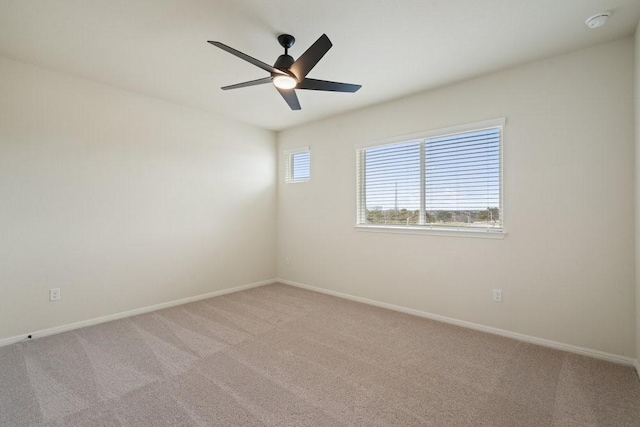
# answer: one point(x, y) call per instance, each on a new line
point(361, 224)
point(288, 162)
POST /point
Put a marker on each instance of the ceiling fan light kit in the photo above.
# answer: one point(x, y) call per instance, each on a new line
point(285, 82)
point(288, 74)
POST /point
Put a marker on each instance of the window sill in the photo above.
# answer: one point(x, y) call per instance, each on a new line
point(454, 232)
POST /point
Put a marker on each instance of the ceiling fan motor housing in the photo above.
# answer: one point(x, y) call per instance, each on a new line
point(284, 62)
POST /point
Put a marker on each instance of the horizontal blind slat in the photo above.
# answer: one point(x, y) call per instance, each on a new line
point(453, 144)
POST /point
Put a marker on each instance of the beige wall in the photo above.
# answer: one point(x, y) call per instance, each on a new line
point(637, 120)
point(566, 267)
point(123, 201)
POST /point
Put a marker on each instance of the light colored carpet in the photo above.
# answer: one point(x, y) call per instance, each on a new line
point(281, 356)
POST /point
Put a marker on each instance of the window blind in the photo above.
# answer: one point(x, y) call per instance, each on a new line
point(451, 180)
point(298, 165)
point(462, 177)
point(392, 177)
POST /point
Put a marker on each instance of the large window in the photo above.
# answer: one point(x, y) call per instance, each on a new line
point(449, 179)
point(297, 165)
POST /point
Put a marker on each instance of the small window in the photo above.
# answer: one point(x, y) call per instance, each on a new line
point(449, 179)
point(298, 165)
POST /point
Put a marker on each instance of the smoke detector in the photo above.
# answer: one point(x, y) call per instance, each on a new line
point(597, 20)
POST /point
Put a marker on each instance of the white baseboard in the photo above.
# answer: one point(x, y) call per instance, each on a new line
point(515, 335)
point(129, 313)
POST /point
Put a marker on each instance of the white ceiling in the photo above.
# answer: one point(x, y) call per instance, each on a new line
point(392, 47)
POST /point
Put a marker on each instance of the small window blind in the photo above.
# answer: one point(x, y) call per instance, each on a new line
point(452, 180)
point(298, 165)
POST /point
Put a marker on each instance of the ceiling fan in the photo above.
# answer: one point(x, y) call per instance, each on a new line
point(288, 74)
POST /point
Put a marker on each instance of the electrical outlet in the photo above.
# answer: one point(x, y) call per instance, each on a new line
point(497, 295)
point(54, 294)
point(286, 260)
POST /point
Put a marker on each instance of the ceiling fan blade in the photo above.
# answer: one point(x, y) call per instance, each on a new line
point(310, 58)
point(247, 58)
point(314, 84)
point(290, 96)
point(249, 83)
